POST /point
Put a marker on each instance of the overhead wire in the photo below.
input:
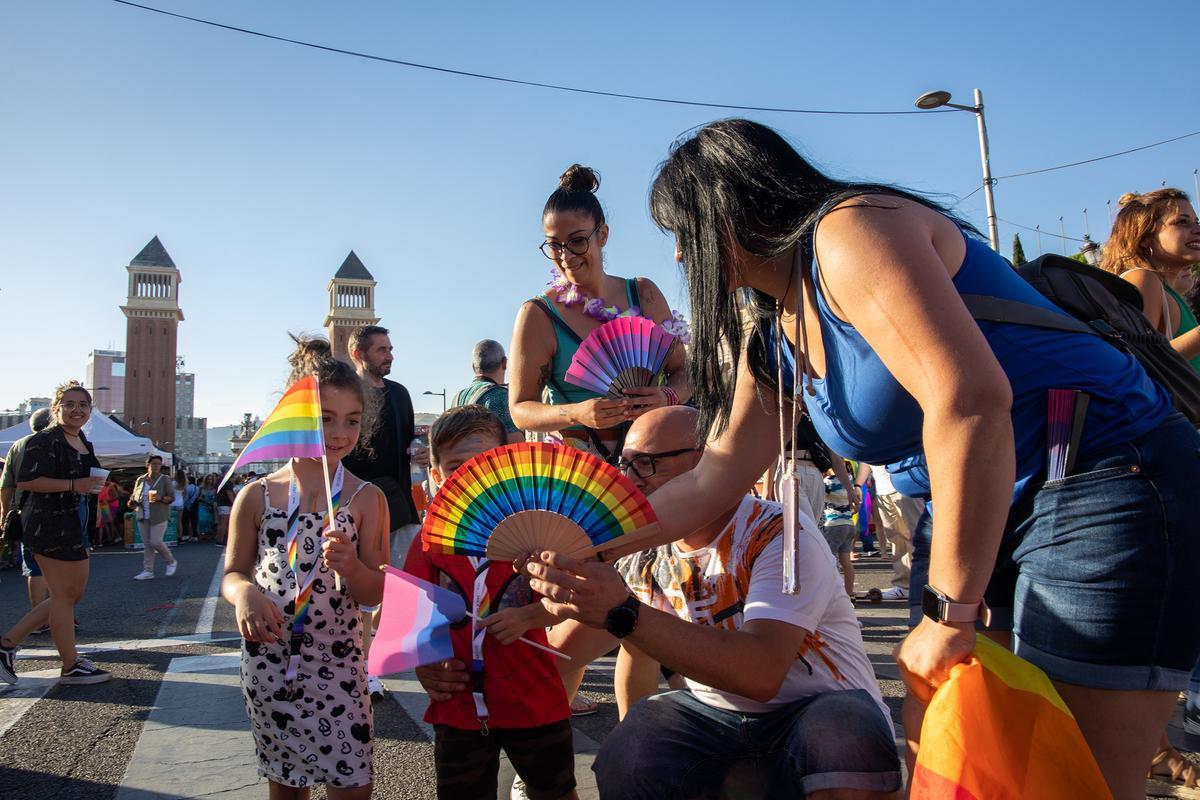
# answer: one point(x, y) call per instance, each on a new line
point(1097, 158)
point(516, 81)
point(1041, 230)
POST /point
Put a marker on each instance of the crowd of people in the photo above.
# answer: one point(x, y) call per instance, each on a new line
point(831, 351)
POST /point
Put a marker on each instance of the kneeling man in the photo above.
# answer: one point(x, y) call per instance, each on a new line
point(780, 692)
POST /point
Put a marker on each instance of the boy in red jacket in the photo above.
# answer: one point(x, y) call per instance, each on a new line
point(510, 697)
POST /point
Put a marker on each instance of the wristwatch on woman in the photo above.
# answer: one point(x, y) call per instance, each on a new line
point(623, 619)
point(938, 607)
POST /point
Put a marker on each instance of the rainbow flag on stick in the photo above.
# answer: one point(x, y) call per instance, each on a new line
point(998, 730)
point(414, 629)
point(292, 430)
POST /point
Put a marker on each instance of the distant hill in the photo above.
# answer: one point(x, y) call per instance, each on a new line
point(218, 439)
point(425, 419)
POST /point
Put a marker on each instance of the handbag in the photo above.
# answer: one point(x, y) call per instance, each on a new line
point(13, 530)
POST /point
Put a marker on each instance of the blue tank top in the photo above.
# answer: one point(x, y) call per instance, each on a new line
point(863, 413)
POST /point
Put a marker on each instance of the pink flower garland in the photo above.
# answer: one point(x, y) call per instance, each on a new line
point(571, 295)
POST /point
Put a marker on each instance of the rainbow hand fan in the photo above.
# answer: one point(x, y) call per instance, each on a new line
point(623, 353)
point(520, 498)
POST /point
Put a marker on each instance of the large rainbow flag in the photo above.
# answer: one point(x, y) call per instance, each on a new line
point(293, 429)
point(998, 730)
point(414, 629)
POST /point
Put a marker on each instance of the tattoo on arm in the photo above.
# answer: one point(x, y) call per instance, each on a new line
point(544, 376)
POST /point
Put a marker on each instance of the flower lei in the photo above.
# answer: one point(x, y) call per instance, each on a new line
point(571, 295)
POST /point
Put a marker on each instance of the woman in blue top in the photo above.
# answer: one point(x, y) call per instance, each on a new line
point(582, 297)
point(866, 280)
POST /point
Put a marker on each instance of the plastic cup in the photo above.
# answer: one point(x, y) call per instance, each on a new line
point(97, 472)
point(153, 495)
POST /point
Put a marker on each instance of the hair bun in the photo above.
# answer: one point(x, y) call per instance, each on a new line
point(309, 353)
point(1127, 198)
point(579, 178)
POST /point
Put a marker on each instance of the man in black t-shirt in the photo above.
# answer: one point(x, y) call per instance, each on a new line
point(384, 458)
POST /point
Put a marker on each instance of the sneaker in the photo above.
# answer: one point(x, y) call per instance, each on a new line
point(84, 672)
point(42, 631)
point(375, 687)
point(174, 565)
point(895, 593)
point(8, 658)
point(144, 575)
point(518, 790)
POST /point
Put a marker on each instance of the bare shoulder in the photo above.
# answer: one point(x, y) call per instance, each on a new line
point(878, 215)
point(652, 298)
point(1142, 278)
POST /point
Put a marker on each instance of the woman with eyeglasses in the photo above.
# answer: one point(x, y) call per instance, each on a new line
point(56, 471)
point(581, 297)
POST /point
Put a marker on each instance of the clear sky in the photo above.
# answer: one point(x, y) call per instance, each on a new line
point(260, 165)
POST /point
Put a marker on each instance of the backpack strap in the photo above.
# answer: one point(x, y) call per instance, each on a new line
point(631, 291)
point(986, 308)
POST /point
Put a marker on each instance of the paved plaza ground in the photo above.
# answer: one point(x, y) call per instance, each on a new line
point(171, 723)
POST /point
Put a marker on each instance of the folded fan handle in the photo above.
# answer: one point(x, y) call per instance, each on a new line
point(632, 542)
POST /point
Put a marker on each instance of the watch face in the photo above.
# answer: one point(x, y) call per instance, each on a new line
point(931, 605)
point(623, 619)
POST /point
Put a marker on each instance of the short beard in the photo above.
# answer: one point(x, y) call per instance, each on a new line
point(378, 370)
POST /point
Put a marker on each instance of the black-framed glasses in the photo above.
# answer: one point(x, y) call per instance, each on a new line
point(576, 244)
point(645, 464)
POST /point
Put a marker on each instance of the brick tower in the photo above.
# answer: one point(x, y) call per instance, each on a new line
point(153, 316)
point(351, 303)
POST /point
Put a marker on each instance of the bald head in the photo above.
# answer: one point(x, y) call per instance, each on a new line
point(668, 428)
point(660, 445)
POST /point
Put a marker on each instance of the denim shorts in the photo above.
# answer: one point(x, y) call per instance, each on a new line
point(673, 745)
point(29, 564)
point(1098, 574)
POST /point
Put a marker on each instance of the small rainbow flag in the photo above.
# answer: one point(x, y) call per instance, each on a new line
point(414, 629)
point(998, 730)
point(293, 429)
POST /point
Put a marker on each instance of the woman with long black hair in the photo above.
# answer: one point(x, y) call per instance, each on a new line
point(862, 286)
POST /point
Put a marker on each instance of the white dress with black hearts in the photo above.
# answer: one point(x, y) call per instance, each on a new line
point(323, 732)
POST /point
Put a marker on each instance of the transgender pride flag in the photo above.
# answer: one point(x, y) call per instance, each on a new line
point(415, 625)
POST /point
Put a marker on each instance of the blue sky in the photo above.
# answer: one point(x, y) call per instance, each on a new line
point(261, 164)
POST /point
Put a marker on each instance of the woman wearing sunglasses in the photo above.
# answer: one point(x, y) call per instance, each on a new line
point(581, 297)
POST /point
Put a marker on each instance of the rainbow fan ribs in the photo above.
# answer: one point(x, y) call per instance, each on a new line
point(582, 499)
point(624, 353)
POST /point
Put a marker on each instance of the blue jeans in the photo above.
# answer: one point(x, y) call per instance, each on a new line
point(673, 745)
point(1094, 568)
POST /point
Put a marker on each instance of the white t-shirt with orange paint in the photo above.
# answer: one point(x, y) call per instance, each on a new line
point(739, 577)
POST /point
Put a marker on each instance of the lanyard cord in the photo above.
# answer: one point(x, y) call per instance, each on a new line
point(787, 456)
point(303, 584)
point(480, 608)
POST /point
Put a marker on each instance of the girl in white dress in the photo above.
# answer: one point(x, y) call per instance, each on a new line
point(305, 684)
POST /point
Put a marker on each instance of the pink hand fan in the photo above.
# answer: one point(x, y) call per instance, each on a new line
point(623, 353)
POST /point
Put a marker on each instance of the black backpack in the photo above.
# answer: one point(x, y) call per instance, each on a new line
point(1103, 305)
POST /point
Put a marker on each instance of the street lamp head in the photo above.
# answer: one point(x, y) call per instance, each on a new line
point(931, 100)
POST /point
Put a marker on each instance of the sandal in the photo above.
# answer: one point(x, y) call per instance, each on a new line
point(583, 706)
point(1173, 775)
point(873, 596)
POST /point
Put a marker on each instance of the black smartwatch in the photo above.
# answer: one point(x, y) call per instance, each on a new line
point(623, 619)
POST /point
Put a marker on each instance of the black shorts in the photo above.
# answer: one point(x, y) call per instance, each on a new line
point(467, 761)
point(50, 536)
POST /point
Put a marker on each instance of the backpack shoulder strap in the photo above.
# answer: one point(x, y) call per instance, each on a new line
point(631, 291)
point(998, 309)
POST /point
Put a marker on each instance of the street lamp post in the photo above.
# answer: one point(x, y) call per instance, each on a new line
point(939, 98)
point(441, 394)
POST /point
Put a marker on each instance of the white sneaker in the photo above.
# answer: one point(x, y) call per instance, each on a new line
point(375, 687)
point(518, 790)
point(894, 593)
point(144, 575)
point(174, 565)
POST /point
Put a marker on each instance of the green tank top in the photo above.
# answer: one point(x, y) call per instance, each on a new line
point(567, 341)
point(1187, 321)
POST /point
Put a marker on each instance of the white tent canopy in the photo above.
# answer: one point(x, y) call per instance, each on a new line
point(115, 446)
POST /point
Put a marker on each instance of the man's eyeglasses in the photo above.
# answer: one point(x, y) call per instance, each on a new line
point(645, 464)
point(576, 244)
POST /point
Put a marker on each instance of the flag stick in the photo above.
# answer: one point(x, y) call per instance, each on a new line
point(541, 647)
point(337, 579)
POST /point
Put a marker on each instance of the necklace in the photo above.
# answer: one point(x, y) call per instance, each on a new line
point(571, 295)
